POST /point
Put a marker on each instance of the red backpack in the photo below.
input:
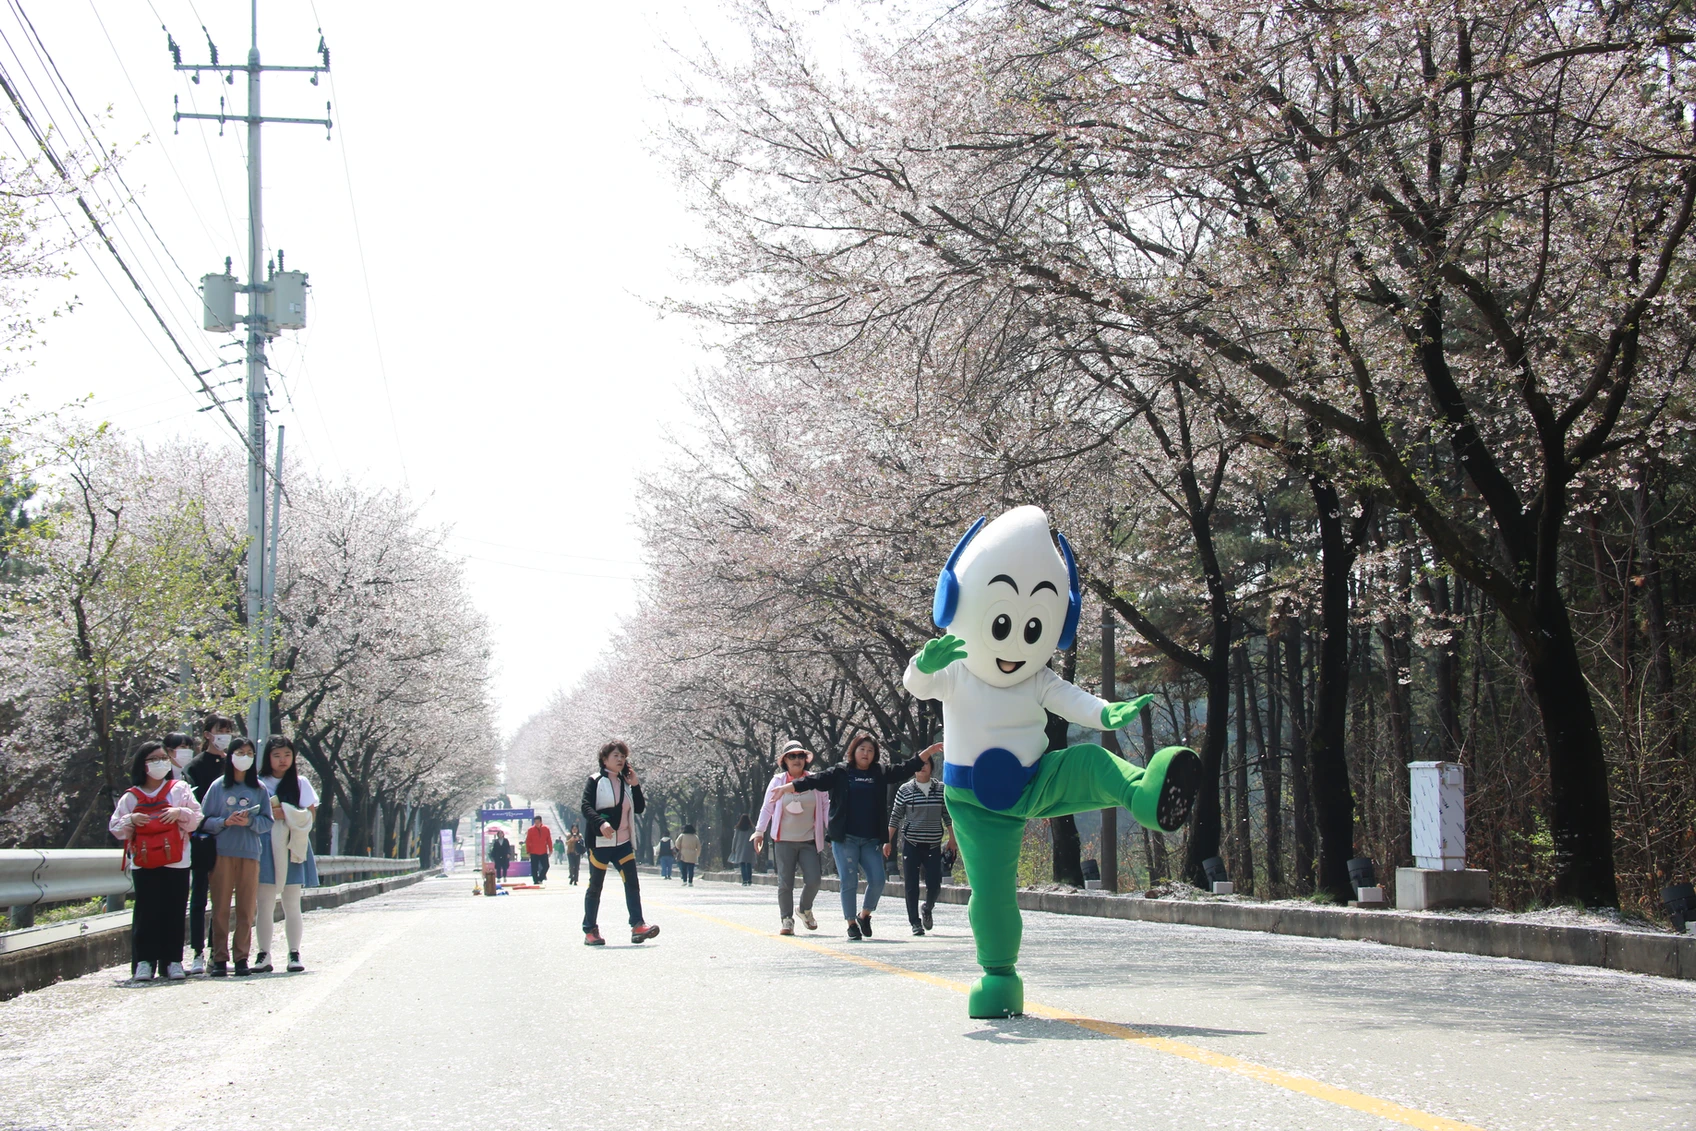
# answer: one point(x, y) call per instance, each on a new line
point(154, 843)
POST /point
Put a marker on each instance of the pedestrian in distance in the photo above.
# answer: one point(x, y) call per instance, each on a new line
point(237, 810)
point(666, 857)
point(688, 854)
point(859, 821)
point(559, 851)
point(798, 823)
point(500, 855)
point(611, 799)
point(742, 849)
point(918, 823)
point(206, 767)
point(574, 853)
point(154, 818)
point(288, 850)
point(538, 842)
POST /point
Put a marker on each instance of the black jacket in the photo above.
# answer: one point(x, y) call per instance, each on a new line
point(613, 816)
point(203, 769)
point(834, 781)
point(500, 851)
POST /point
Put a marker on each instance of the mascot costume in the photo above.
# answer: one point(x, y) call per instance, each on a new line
point(1008, 599)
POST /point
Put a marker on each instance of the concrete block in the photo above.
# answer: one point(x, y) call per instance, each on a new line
point(1225, 887)
point(1427, 889)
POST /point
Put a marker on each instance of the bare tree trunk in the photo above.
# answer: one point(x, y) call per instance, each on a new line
point(1243, 842)
point(1302, 822)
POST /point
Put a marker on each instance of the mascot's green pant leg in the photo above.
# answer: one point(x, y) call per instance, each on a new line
point(1073, 780)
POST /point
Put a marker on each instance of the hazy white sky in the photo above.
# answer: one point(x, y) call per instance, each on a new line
point(493, 349)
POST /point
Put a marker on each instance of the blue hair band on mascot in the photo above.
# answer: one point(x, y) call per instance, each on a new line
point(947, 597)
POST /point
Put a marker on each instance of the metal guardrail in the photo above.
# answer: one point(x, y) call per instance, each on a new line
point(30, 876)
point(364, 865)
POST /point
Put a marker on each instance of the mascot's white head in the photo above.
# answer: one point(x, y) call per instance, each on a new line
point(1010, 595)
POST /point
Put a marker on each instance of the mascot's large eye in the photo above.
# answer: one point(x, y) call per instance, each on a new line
point(1033, 630)
point(1001, 627)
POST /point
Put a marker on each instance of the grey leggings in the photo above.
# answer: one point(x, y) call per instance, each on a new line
point(789, 853)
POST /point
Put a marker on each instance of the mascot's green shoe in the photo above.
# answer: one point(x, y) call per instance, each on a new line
point(997, 995)
point(1166, 794)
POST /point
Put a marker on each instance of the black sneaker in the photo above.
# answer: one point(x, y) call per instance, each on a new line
point(930, 925)
point(241, 968)
point(220, 969)
point(918, 930)
point(866, 923)
point(853, 930)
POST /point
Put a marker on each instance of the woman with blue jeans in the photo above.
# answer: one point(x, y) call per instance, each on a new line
point(859, 821)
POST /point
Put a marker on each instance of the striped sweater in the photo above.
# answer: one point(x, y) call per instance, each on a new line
point(920, 812)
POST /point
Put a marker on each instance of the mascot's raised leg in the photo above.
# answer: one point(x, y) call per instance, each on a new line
point(1074, 780)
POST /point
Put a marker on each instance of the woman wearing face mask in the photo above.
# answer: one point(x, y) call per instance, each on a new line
point(238, 812)
point(154, 802)
point(294, 807)
point(798, 822)
point(204, 769)
point(859, 821)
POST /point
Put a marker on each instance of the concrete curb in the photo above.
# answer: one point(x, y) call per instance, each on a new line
point(36, 967)
point(1661, 956)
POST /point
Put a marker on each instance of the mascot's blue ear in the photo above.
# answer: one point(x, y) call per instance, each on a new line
point(1074, 598)
point(947, 585)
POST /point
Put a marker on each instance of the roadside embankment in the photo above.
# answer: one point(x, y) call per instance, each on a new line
point(1638, 952)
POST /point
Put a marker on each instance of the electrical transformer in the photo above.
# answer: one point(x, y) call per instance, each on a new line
point(285, 302)
point(218, 301)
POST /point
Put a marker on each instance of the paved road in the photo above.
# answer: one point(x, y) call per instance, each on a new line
point(428, 1008)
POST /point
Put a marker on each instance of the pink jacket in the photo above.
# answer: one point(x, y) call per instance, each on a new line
point(769, 823)
point(187, 809)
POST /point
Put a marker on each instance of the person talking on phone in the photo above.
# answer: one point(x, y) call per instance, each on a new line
point(611, 798)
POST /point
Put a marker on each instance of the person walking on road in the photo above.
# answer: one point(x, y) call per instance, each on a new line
point(741, 850)
point(559, 852)
point(500, 855)
point(610, 800)
point(798, 824)
point(216, 732)
point(574, 852)
point(688, 854)
point(666, 857)
point(538, 842)
point(859, 821)
point(238, 812)
point(286, 863)
point(918, 823)
point(154, 818)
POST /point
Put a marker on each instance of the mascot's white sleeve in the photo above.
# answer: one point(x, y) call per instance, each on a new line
point(1069, 701)
point(935, 685)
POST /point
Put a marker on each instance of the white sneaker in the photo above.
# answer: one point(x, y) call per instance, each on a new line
point(788, 927)
point(143, 972)
point(174, 972)
point(807, 918)
point(198, 966)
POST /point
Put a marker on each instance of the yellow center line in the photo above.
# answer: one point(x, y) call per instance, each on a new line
point(1289, 1081)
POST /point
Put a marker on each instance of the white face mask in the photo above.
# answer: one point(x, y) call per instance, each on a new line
point(182, 754)
point(242, 762)
point(157, 770)
point(221, 741)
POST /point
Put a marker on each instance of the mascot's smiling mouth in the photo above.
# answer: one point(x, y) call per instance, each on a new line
point(1008, 667)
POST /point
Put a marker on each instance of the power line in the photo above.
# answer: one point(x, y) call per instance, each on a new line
point(10, 89)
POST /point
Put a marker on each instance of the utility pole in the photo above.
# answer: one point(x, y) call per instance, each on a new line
point(1110, 740)
point(275, 302)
